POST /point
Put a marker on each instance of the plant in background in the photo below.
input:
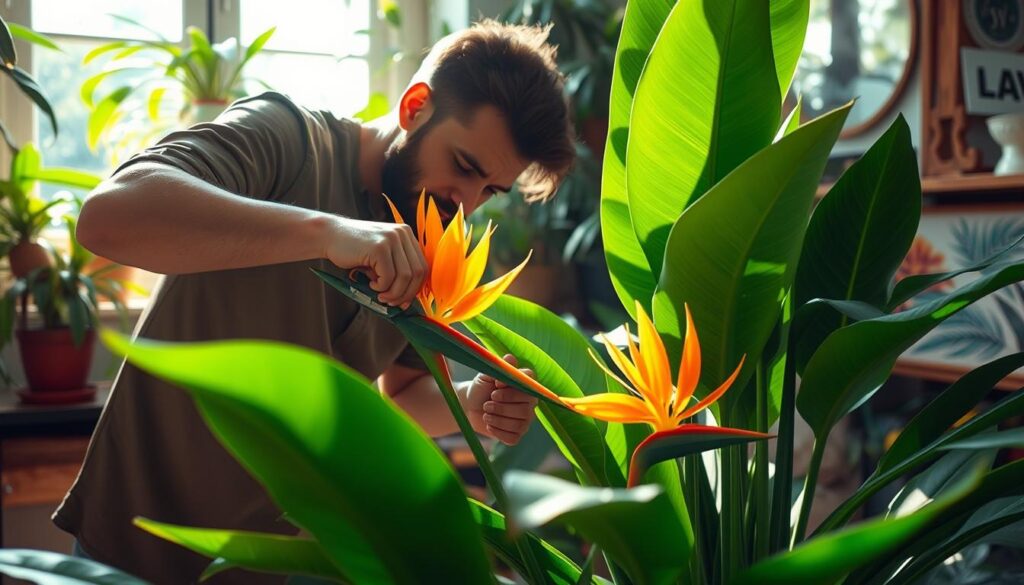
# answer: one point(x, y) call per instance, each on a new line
point(22, 79)
point(205, 76)
point(706, 211)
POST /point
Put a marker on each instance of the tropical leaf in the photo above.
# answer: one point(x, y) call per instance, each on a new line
point(628, 268)
point(50, 568)
point(691, 126)
point(292, 418)
point(255, 551)
point(26, 34)
point(975, 241)
point(732, 254)
point(685, 440)
point(789, 27)
point(637, 527)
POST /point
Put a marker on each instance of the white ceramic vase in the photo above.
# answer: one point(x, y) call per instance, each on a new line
point(1008, 131)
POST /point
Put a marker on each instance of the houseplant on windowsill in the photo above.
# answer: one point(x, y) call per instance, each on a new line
point(56, 357)
point(207, 77)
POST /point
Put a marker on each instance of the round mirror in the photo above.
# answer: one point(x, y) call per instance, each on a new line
point(861, 49)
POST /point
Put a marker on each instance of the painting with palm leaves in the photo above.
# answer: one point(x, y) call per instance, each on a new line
point(949, 239)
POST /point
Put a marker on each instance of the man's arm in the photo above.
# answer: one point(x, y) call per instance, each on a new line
point(493, 409)
point(164, 220)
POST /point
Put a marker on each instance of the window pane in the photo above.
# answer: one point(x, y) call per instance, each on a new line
point(330, 27)
point(316, 81)
point(93, 18)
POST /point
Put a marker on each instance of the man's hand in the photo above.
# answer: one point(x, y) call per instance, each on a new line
point(388, 252)
point(497, 410)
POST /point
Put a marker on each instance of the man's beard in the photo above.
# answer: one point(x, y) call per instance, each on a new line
point(401, 176)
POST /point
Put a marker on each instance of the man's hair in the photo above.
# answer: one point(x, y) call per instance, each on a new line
point(511, 67)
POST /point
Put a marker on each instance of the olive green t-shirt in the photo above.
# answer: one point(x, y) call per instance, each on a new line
point(151, 454)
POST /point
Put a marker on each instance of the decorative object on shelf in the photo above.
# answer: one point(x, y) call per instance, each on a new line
point(864, 49)
point(950, 238)
point(996, 24)
point(1008, 131)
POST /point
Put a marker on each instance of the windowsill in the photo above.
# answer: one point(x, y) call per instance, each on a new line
point(108, 315)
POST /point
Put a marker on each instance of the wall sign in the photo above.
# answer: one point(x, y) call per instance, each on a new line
point(996, 24)
point(993, 81)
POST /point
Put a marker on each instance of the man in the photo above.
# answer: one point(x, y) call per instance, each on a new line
point(235, 213)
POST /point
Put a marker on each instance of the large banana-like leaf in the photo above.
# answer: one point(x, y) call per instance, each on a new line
point(268, 553)
point(732, 254)
point(630, 273)
point(705, 103)
point(859, 235)
point(558, 568)
point(827, 559)
point(346, 464)
point(682, 441)
point(50, 568)
point(853, 361)
point(636, 527)
point(789, 27)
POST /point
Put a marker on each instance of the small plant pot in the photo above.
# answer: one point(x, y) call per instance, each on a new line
point(1008, 131)
point(205, 111)
point(51, 360)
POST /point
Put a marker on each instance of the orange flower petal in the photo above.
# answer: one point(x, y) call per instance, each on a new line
point(479, 299)
point(448, 259)
point(394, 210)
point(476, 263)
point(432, 232)
point(654, 362)
point(689, 367)
point(624, 365)
point(624, 408)
point(607, 370)
point(421, 216)
point(711, 398)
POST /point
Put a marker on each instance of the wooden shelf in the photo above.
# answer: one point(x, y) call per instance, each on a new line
point(985, 183)
point(979, 183)
point(948, 373)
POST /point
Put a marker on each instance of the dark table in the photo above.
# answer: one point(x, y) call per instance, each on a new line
point(22, 420)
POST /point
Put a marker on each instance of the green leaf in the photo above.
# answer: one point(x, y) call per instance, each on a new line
point(792, 121)
point(31, 88)
point(102, 49)
point(309, 428)
point(8, 138)
point(1000, 440)
point(31, 36)
point(732, 254)
point(637, 527)
point(579, 438)
point(854, 361)
point(911, 286)
point(699, 111)
point(87, 90)
point(789, 26)
point(153, 102)
point(268, 553)
point(376, 107)
point(685, 440)
point(8, 54)
point(390, 11)
point(926, 433)
point(26, 163)
point(558, 568)
point(50, 568)
point(66, 177)
point(827, 559)
point(257, 45)
point(944, 474)
point(859, 234)
point(103, 113)
point(627, 266)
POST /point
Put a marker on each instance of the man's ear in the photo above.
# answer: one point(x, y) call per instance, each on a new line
point(415, 107)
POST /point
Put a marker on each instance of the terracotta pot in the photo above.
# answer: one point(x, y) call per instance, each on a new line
point(26, 256)
point(124, 273)
point(51, 360)
point(205, 111)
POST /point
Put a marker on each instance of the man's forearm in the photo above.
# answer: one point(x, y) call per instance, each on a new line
point(164, 220)
point(423, 401)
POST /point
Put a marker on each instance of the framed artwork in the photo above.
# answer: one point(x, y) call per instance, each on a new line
point(949, 238)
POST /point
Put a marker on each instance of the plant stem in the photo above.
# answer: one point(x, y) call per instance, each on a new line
point(732, 539)
point(783, 497)
point(439, 369)
point(762, 496)
point(691, 493)
point(810, 483)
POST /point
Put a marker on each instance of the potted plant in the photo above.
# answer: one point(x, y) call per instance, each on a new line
point(24, 214)
point(207, 76)
point(56, 356)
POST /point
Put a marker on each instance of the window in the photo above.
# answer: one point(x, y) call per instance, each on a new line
point(320, 55)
